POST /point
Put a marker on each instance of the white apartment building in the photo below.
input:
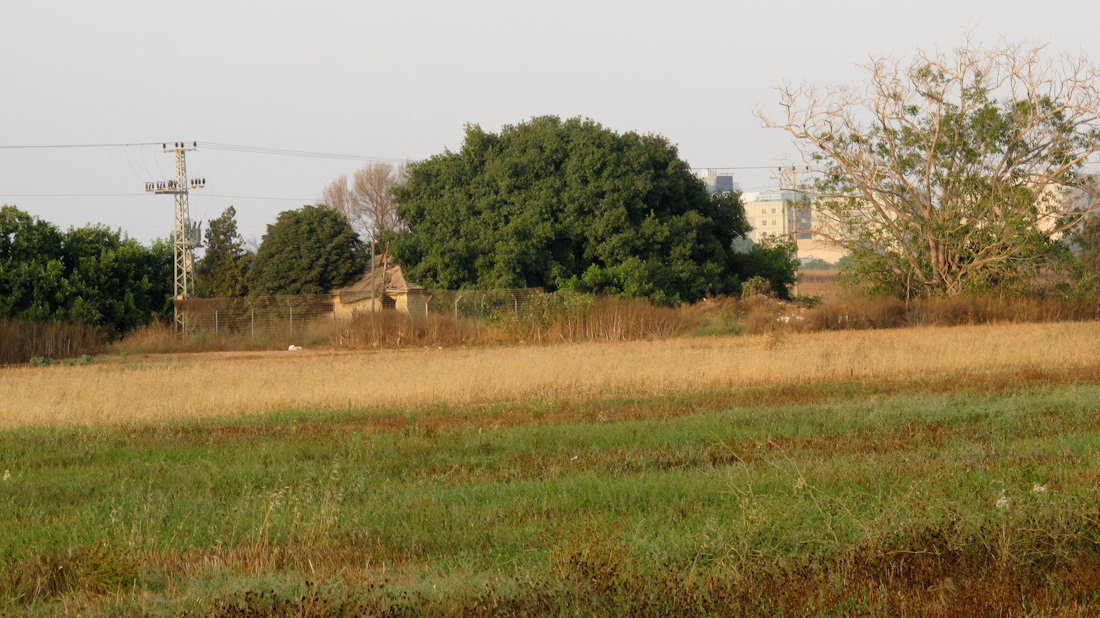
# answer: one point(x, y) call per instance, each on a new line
point(772, 213)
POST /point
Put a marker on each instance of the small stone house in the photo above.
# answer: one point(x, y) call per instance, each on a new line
point(382, 288)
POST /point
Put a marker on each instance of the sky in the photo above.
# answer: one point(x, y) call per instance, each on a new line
point(400, 80)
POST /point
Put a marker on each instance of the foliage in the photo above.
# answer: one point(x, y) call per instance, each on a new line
point(570, 204)
point(816, 264)
point(89, 275)
point(755, 286)
point(954, 173)
point(312, 250)
point(772, 260)
point(222, 270)
point(1089, 254)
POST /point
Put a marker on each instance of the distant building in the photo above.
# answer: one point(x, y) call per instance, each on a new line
point(717, 183)
point(381, 288)
point(774, 213)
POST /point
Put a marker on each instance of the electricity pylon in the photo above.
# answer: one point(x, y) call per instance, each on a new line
point(185, 234)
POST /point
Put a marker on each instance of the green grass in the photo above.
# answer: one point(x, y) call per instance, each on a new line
point(854, 500)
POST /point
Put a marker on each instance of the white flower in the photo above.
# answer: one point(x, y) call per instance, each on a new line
point(7, 475)
point(1002, 502)
point(801, 484)
point(1038, 489)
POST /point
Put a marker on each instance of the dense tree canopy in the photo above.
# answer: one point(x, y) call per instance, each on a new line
point(221, 271)
point(951, 172)
point(91, 275)
point(312, 250)
point(551, 204)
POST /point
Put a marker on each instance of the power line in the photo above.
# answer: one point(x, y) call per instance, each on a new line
point(37, 146)
point(293, 153)
point(253, 197)
point(309, 154)
point(71, 195)
point(238, 197)
point(285, 152)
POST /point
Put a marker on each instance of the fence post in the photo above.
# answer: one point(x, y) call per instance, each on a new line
point(252, 310)
point(215, 321)
point(456, 306)
point(291, 307)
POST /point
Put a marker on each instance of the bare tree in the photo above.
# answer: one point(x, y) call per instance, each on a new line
point(367, 201)
point(952, 170)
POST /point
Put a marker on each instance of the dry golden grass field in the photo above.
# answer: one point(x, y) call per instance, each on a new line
point(151, 389)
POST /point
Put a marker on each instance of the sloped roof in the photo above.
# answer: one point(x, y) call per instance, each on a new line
point(376, 282)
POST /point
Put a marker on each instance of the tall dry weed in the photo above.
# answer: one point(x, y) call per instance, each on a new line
point(21, 341)
point(392, 329)
point(614, 319)
point(170, 388)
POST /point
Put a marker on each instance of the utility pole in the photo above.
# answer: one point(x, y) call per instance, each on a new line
point(185, 234)
point(791, 210)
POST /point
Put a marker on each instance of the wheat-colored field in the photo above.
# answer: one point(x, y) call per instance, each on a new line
point(165, 388)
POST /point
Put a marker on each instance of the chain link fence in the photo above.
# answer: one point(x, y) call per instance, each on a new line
point(256, 315)
point(483, 303)
point(285, 315)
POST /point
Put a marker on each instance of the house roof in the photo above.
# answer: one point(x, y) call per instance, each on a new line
point(376, 282)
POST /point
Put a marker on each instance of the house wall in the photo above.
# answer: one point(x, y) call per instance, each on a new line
point(414, 303)
point(347, 310)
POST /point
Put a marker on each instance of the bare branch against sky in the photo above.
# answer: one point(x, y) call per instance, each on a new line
point(398, 81)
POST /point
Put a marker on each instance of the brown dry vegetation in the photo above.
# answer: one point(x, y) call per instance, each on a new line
point(21, 341)
point(574, 318)
point(822, 283)
point(154, 389)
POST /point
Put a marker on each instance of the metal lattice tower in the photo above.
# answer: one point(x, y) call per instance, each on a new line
point(185, 234)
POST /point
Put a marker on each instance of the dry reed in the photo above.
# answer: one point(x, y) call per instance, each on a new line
point(156, 389)
point(21, 341)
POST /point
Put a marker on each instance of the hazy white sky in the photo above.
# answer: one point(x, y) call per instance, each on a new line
point(401, 79)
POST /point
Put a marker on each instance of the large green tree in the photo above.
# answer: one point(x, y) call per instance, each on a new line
point(551, 203)
point(221, 271)
point(91, 275)
point(951, 172)
point(312, 250)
